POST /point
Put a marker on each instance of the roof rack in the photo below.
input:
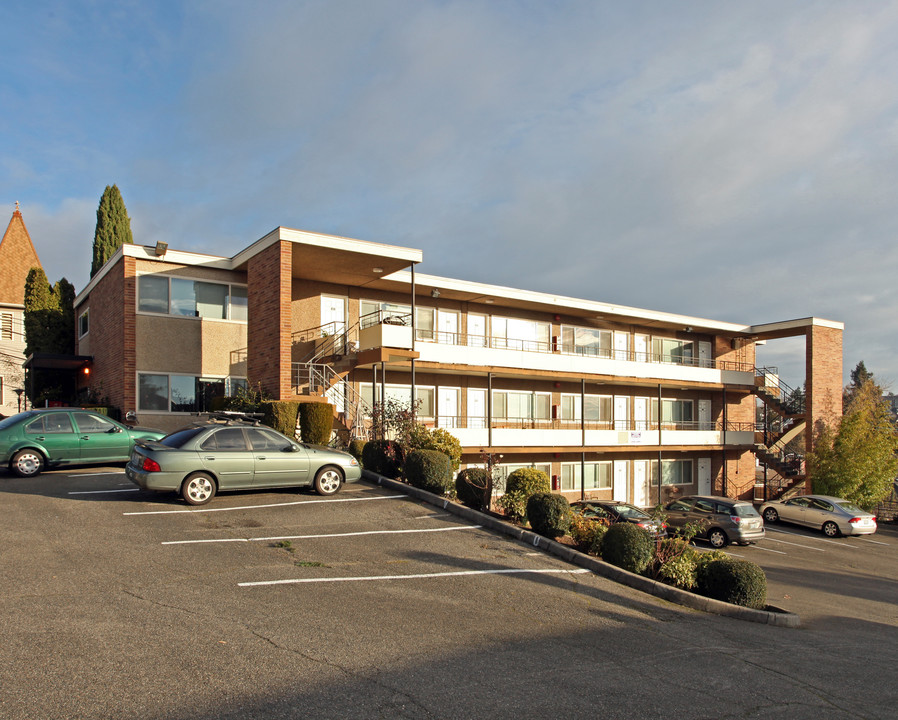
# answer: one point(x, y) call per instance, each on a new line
point(231, 416)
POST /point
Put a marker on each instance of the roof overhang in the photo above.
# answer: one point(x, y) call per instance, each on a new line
point(50, 361)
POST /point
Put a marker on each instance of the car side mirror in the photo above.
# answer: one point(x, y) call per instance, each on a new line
point(114, 429)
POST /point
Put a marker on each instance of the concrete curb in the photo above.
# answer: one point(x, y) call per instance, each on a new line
point(575, 557)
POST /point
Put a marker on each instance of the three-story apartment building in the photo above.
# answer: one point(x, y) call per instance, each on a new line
point(610, 401)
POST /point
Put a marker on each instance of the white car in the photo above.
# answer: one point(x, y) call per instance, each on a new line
point(834, 516)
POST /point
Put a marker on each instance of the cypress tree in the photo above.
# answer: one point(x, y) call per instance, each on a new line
point(41, 307)
point(64, 320)
point(113, 227)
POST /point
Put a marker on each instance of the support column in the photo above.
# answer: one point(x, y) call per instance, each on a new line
point(270, 289)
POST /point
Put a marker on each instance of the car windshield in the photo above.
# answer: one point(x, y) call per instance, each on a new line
point(180, 437)
point(849, 507)
point(629, 512)
point(744, 510)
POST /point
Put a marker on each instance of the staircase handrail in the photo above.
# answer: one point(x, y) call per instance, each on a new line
point(355, 407)
point(792, 400)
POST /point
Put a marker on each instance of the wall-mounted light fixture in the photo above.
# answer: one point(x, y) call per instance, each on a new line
point(489, 301)
point(688, 328)
point(434, 293)
point(377, 270)
point(161, 248)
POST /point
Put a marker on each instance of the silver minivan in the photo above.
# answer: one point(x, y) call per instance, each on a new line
point(722, 520)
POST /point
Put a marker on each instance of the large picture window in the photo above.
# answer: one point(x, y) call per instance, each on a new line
point(403, 395)
point(517, 334)
point(673, 472)
point(191, 298)
point(669, 350)
point(597, 408)
point(598, 476)
point(510, 405)
point(162, 392)
point(586, 341)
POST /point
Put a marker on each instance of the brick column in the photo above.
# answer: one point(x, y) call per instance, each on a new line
point(269, 277)
point(129, 334)
point(824, 379)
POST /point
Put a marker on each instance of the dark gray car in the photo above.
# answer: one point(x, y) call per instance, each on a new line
point(721, 520)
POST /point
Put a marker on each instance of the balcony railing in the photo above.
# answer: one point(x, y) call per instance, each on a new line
point(499, 423)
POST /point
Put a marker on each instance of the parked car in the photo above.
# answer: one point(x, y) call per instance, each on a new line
point(834, 516)
point(235, 454)
point(615, 512)
point(48, 437)
point(722, 520)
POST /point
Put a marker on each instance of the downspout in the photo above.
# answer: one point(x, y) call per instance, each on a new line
point(414, 338)
point(583, 438)
point(724, 449)
point(660, 472)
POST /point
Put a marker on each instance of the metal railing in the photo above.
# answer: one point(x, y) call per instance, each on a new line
point(321, 377)
point(793, 400)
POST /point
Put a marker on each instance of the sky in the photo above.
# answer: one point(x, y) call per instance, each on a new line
point(719, 159)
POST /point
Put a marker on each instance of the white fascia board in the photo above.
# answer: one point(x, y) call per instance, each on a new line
point(333, 242)
point(796, 324)
point(562, 302)
point(148, 252)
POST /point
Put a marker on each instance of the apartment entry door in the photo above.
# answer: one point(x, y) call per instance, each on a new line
point(447, 327)
point(621, 480)
point(476, 408)
point(641, 413)
point(641, 483)
point(704, 415)
point(333, 315)
point(621, 412)
point(704, 476)
point(447, 403)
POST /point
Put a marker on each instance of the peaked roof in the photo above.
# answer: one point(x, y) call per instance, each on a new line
point(17, 257)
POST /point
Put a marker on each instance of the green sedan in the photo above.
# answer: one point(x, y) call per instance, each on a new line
point(207, 457)
point(49, 437)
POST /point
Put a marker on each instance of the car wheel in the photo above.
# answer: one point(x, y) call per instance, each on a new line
point(718, 538)
point(27, 463)
point(328, 481)
point(198, 489)
point(771, 515)
point(830, 529)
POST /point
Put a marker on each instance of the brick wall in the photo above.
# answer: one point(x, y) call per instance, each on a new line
point(268, 333)
point(824, 378)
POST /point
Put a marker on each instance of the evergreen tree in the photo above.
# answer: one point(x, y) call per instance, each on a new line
point(64, 320)
point(113, 227)
point(859, 460)
point(859, 376)
point(41, 309)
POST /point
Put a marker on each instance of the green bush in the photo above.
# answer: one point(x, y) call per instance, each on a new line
point(588, 533)
point(736, 581)
point(680, 571)
point(438, 439)
point(429, 470)
point(549, 514)
point(628, 546)
point(316, 422)
point(356, 449)
point(519, 486)
point(383, 457)
point(471, 487)
point(280, 415)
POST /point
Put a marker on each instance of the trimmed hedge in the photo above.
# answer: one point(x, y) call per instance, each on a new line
point(471, 487)
point(316, 422)
point(736, 581)
point(519, 486)
point(549, 514)
point(429, 470)
point(384, 457)
point(280, 415)
point(628, 546)
point(439, 439)
point(357, 448)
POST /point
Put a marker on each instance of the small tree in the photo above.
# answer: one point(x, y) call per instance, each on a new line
point(113, 228)
point(859, 460)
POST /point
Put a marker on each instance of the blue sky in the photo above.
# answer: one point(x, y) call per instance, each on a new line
point(737, 161)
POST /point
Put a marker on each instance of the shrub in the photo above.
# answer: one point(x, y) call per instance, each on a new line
point(316, 422)
point(519, 486)
point(736, 581)
point(438, 439)
point(280, 415)
point(356, 449)
point(628, 546)
point(588, 533)
point(704, 559)
point(383, 457)
point(471, 487)
point(680, 571)
point(429, 470)
point(549, 514)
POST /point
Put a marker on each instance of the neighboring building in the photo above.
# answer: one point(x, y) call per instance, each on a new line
point(610, 401)
point(17, 257)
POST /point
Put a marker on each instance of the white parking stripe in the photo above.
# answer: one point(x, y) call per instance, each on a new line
point(256, 507)
point(786, 532)
point(324, 535)
point(778, 552)
point(95, 492)
point(510, 571)
point(878, 542)
point(786, 542)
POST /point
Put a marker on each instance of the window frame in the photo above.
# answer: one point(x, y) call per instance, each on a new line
point(231, 308)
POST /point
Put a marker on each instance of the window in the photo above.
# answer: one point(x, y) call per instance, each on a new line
point(6, 326)
point(516, 334)
point(673, 472)
point(90, 423)
point(375, 312)
point(191, 298)
point(84, 323)
point(401, 394)
point(598, 408)
point(266, 440)
point(225, 439)
point(586, 341)
point(182, 393)
point(598, 476)
point(50, 424)
point(501, 473)
point(521, 405)
point(424, 323)
point(673, 412)
point(669, 350)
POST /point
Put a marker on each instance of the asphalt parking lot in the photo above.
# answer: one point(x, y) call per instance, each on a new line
point(118, 603)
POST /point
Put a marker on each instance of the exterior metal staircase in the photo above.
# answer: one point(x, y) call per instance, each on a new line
point(789, 405)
